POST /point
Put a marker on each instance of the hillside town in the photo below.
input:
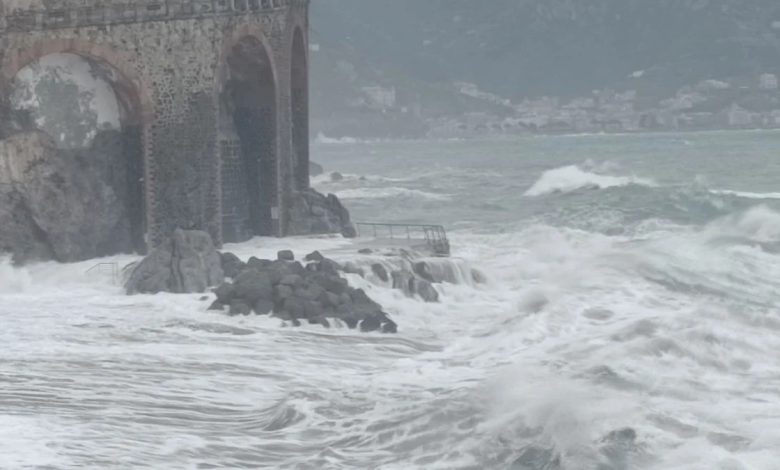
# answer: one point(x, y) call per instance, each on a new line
point(747, 103)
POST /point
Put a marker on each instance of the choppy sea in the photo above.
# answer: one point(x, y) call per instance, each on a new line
point(631, 320)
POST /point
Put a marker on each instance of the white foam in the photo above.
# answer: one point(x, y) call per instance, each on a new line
point(746, 194)
point(571, 178)
point(390, 192)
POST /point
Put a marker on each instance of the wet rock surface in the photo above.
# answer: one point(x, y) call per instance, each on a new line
point(314, 293)
point(65, 204)
point(186, 263)
point(314, 213)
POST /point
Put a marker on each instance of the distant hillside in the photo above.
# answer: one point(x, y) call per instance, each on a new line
point(518, 49)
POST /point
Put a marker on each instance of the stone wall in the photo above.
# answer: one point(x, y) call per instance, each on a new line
point(169, 67)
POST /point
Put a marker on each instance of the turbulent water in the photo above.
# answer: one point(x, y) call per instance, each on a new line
point(631, 321)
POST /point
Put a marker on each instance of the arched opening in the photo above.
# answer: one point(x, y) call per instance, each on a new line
point(78, 177)
point(248, 143)
point(300, 110)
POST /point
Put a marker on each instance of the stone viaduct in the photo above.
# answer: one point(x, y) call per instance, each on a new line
point(213, 96)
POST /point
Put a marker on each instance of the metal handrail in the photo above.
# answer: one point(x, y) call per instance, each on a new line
point(106, 268)
point(435, 236)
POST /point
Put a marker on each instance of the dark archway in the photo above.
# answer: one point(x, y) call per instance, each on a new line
point(84, 195)
point(300, 110)
point(248, 134)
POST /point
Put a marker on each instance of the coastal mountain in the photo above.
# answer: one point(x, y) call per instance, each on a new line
point(404, 67)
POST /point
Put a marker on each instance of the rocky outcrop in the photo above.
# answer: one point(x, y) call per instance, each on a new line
point(315, 293)
point(315, 169)
point(314, 213)
point(66, 205)
point(186, 263)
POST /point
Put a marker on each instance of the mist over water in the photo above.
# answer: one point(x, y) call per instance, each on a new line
point(630, 321)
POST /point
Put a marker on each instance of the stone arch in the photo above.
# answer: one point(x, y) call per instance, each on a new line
point(299, 103)
point(248, 134)
point(129, 145)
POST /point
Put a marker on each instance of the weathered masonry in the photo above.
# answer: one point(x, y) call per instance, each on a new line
point(213, 97)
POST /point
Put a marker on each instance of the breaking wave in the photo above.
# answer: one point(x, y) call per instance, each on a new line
point(571, 178)
point(746, 194)
point(390, 192)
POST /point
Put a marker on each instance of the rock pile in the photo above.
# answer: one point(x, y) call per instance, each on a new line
point(287, 289)
point(186, 263)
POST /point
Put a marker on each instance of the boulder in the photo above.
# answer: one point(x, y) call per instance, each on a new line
point(313, 213)
point(423, 270)
point(252, 285)
point(225, 292)
point(66, 204)
point(336, 177)
point(240, 307)
point(184, 264)
point(381, 272)
point(315, 256)
point(263, 307)
point(196, 262)
point(285, 255)
point(352, 268)
point(404, 281)
point(231, 265)
point(426, 291)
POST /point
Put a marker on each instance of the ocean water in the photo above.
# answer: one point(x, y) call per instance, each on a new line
point(631, 320)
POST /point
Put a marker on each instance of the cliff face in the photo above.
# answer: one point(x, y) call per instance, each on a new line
point(528, 48)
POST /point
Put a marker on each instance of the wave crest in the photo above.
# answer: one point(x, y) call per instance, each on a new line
point(571, 178)
point(390, 192)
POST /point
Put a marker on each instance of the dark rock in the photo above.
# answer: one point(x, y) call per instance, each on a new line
point(153, 274)
point(252, 286)
point(352, 268)
point(65, 204)
point(315, 256)
point(204, 298)
point(240, 307)
point(225, 292)
point(426, 291)
point(282, 292)
point(336, 176)
point(331, 283)
point(328, 266)
point(186, 263)
point(313, 309)
point(423, 270)
point(310, 292)
point(330, 299)
point(285, 255)
point(263, 307)
point(314, 213)
point(259, 264)
point(370, 324)
point(295, 307)
point(390, 327)
point(381, 272)
point(404, 281)
point(231, 264)
point(478, 277)
point(217, 306)
point(292, 280)
point(365, 251)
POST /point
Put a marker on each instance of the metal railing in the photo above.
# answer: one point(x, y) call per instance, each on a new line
point(107, 269)
point(435, 236)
